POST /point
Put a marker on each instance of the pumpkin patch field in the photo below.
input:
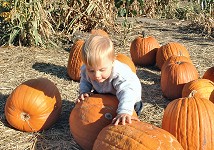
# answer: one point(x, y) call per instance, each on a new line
point(26, 71)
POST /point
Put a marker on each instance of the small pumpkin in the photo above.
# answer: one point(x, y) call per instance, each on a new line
point(90, 116)
point(137, 135)
point(201, 87)
point(190, 120)
point(75, 61)
point(34, 105)
point(175, 73)
point(127, 60)
point(99, 32)
point(168, 50)
point(143, 50)
point(209, 74)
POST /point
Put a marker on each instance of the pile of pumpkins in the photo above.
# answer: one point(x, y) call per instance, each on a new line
point(36, 104)
point(189, 115)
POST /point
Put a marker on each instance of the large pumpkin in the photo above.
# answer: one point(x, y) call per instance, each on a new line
point(175, 73)
point(201, 87)
point(209, 74)
point(75, 60)
point(190, 120)
point(135, 136)
point(143, 50)
point(90, 116)
point(34, 105)
point(168, 50)
point(125, 59)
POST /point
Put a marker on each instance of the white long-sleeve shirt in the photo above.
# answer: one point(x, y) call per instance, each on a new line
point(123, 83)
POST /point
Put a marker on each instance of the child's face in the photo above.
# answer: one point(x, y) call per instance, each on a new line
point(101, 72)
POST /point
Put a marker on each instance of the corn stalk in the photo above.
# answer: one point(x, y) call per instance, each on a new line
point(29, 23)
point(206, 5)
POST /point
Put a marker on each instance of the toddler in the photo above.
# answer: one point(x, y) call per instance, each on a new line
point(101, 73)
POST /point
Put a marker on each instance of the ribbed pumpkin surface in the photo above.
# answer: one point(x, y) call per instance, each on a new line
point(34, 105)
point(125, 59)
point(175, 73)
point(168, 50)
point(90, 116)
point(203, 88)
point(191, 121)
point(135, 136)
point(143, 50)
point(75, 61)
point(209, 74)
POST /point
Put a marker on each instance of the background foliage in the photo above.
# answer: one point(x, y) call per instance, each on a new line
point(39, 22)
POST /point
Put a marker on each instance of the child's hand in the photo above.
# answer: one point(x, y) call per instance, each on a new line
point(82, 97)
point(124, 118)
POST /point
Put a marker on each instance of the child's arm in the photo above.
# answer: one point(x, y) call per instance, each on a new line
point(85, 86)
point(128, 93)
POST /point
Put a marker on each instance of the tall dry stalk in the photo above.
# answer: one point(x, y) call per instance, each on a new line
point(34, 22)
point(28, 24)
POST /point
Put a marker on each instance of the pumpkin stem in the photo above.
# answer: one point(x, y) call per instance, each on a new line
point(144, 33)
point(192, 93)
point(178, 62)
point(25, 116)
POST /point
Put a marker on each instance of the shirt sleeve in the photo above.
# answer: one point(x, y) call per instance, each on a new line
point(128, 93)
point(85, 85)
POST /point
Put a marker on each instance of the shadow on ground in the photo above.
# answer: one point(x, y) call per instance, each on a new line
point(185, 32)
point(59, 135)
point(151, 87)
point(52, 69)
point(3, 99)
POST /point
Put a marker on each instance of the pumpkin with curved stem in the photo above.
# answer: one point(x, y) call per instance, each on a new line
point(203, 88)
point(168, 50)
point(90, 116)
point(137, 135)
point(143, 50)
point(209, 74)
point(75, 61)
point(125, 59)
point(175, 73)
point(190, 120)
point(99, 32)
point(34, 105)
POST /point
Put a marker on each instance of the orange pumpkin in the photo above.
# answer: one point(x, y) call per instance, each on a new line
point(125, 59)
point(203, 88)
point(168, 50)
point(190, 120)
point(176, 72)
point(134, 136)
point(34, 105)
point(209, 74)
point(99, 32)
point(90, 116)
point(75, 61)
point(143, 50)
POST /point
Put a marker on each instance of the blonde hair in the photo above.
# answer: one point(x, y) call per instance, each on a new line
point(95, 48)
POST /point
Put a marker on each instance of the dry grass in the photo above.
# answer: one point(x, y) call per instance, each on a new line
point(39, 23)
point(19, 64)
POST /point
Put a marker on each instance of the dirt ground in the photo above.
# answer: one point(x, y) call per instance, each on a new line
point(19, 64)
